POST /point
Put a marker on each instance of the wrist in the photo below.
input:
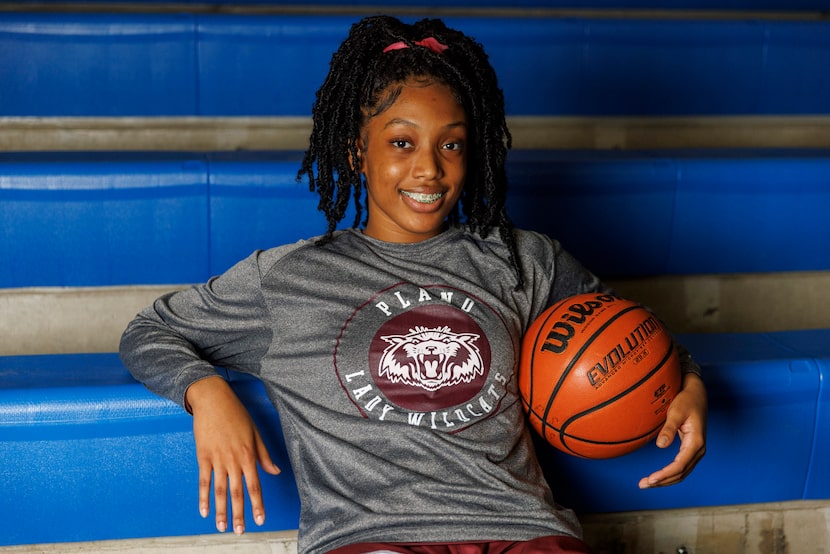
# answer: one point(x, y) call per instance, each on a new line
point(199, 392)
point(692, 383)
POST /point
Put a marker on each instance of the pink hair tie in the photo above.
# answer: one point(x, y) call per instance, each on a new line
point(429, 42)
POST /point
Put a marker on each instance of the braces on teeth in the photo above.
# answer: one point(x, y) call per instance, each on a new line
point(423, 198)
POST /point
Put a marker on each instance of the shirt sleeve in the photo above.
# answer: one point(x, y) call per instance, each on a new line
point(184, 335)
point(570, 277)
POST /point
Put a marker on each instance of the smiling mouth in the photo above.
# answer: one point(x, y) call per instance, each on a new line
point(422, 197)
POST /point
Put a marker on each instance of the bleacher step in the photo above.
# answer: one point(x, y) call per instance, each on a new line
point(25, 134)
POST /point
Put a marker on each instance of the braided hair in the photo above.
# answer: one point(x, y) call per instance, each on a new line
point(361, 84)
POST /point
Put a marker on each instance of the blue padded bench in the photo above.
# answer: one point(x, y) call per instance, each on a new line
point(90, 64)
point(95, 219)
point(98, 219)
point(769, 421)
point(92, 452)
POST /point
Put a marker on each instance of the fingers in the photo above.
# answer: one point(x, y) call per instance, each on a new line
point(686, 418)
point(257, 507)
point(220, 494)
point(264, 458)
point(692, 449)
point(237, 503)
point(230, 482)
point(228, 490)
point(667, 433)
point(254, 486)
point(204, 489)
point(228, 447)
point(673, 473)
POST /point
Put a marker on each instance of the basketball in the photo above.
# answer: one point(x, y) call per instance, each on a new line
point(597, 374)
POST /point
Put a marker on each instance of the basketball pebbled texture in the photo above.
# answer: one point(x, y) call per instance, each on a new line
point(597, 374)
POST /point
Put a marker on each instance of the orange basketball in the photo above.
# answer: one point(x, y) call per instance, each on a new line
point(597, 374)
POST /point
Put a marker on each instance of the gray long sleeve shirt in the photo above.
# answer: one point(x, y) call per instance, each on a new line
point(393, 368)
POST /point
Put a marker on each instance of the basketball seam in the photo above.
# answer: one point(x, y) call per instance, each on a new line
point(573, 361)
point(563, 434)
point(542, 327)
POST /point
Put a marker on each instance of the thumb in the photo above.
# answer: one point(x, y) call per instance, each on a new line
point(667, 434)
point(264, 458)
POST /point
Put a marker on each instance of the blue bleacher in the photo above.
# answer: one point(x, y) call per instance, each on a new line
point(94, 64)
point(97, 456)
point(98, 219)
point(768, 422)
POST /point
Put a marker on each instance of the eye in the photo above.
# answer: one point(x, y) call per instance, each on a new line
point(455, 146)
point(400, 143)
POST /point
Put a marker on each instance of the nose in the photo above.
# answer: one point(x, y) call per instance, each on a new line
point(427, 165)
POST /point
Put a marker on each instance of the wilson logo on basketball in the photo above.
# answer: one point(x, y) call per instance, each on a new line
point(577, 314)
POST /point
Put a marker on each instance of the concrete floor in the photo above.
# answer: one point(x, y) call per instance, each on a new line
point(801, 527)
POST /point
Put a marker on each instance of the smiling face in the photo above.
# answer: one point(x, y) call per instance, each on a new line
point(413, 155)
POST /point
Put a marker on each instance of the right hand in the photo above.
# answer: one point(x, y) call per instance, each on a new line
point(228, 446)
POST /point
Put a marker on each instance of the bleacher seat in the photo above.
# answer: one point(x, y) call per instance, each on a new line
point(98, 456)
point(97, 64)
point(89, 454)
point(97, 219)
point(769, 414)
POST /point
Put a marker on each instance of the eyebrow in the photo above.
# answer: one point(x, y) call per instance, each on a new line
point(408, 123)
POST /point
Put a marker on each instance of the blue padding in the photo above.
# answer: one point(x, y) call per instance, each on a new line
point(96, 219)
point(756, 213)
point(95, 455)
point(815, 344)
point(231, 65)
point(79, 219)
point(614, 213)
point(763, 443)
point(639, 213)
point(818, 479)
point(264, 65)
point(97, 65)
point(256, 201)
point(658, 67)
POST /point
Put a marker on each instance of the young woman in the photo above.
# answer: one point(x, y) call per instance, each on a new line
point(390, 349)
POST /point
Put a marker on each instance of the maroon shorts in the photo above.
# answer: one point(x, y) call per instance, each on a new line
point(540, 545)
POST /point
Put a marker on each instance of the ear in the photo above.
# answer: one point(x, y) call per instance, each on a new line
point(360, 146)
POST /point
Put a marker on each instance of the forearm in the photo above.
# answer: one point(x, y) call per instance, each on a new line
point(183, 335)
point(165, 362)
point(693, 384)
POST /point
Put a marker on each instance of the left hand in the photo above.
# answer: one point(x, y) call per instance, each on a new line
point(687, 418)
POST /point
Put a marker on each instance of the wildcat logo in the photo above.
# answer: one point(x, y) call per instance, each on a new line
point(429, 362)
point(431, 358)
